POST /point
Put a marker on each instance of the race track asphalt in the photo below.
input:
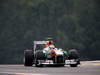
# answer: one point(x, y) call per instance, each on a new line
point(86, 68)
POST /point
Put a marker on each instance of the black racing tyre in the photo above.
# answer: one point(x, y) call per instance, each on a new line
point(73, 65)
point(73, 54)
point(28, 58)
point(40, 55)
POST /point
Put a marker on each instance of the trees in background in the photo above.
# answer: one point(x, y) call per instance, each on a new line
point(72, 23)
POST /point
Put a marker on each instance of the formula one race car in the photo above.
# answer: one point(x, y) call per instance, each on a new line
point(45, 53)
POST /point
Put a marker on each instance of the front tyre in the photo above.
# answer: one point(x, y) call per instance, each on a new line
point(28, 58)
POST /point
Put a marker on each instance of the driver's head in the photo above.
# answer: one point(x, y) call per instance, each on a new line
point(50, 43)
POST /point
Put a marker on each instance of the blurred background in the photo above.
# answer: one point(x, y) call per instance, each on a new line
point(71, 23)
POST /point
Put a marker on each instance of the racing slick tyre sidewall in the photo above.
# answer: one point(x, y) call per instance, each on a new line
point(28, 59)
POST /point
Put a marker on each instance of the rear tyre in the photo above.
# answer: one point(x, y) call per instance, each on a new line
point(28, 58)
point(73, 54)
point(39, 56)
